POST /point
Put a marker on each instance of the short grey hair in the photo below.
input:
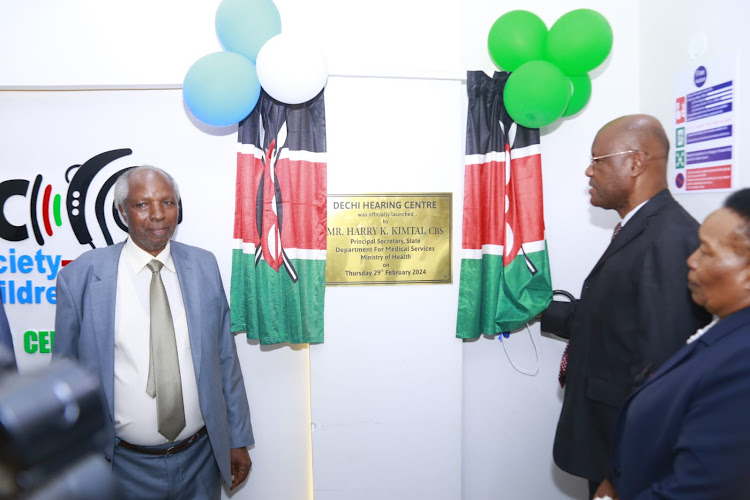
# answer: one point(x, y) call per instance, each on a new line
point(122, 184)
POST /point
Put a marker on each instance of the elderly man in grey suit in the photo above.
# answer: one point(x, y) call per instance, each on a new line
point(149, 316)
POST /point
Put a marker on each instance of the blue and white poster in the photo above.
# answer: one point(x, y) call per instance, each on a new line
point(705, 154)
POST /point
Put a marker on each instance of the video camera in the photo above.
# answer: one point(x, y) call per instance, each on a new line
point(52, 435)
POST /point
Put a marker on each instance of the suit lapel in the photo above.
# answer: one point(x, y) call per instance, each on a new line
point(634, 227)
point(190, 287)
point(716, 333)
point(675, 360)
point(628, 233)
point(103, 298)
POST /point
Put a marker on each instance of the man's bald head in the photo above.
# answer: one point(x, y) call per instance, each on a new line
point(644, 132)
point(633, 164)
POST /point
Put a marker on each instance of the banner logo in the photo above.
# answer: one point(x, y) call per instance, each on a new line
point(77, 201)
point(33, 272)
point(79, 179)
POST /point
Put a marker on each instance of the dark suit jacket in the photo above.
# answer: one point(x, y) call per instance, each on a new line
point(634, 312)
point(686, 432)
point(85, 325)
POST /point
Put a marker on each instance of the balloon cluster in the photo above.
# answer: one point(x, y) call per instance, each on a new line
point(222, 88)
point(549, 68)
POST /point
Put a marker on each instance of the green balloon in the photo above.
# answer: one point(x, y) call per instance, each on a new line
point(581, 85)
point(536, 94)
point(579, 41)
point(516, 37)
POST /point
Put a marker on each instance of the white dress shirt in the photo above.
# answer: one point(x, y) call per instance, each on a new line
point(135, 411)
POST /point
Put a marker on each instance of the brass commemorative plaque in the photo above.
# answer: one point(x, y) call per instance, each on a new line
point(389, 239)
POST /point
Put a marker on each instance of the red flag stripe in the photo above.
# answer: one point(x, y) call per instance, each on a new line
point(302, 218)
point(485, 216)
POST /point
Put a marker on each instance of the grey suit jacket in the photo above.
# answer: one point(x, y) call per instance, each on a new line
point(85, 324)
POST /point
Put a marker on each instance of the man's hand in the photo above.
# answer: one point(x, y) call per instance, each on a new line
point(241, 464)
point(606, 490)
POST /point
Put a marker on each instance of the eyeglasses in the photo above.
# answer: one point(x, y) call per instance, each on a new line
point(594, 159)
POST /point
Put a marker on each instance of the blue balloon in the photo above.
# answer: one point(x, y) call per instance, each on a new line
point(221, 89)
point(243, 26)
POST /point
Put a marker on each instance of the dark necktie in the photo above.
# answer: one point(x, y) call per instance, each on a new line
point(617, 230)
point(164, 382)
point(564, 360)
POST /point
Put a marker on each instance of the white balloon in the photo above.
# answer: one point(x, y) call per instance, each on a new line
point(291, 69)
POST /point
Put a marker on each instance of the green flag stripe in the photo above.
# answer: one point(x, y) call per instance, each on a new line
point(269, 306)
point(494, 299)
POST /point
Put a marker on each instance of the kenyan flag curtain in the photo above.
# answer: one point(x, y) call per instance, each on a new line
point(505, 278)
point(278, 262)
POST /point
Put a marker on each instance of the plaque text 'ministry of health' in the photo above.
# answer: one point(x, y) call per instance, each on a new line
point(389, 239)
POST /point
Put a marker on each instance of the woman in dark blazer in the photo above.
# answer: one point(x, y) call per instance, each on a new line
point(685, 433)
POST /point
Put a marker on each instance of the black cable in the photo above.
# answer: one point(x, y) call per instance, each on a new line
point(564, 293)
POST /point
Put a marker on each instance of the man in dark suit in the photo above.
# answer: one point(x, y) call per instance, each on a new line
point(635, 309)
point(150, 318)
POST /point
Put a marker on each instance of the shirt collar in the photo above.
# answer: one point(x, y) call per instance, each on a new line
point(630, 214)
point(138, 258)
point(703, 330)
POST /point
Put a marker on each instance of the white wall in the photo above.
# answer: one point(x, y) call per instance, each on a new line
point(400, 408)
point(678, 36)
point(90, 42)
point(386, 384)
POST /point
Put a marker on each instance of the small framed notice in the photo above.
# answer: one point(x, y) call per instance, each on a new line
point(706, 152)
point(389, 239)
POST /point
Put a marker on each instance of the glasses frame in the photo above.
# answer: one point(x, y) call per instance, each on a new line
point(594, 159)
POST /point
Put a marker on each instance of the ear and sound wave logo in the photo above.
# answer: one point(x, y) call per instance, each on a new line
point(28, 276)
point(42, 216)
point(20, 187)
point(78, 188)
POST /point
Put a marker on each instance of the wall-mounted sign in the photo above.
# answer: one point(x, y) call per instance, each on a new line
point(389, 239)
point(705, 153)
